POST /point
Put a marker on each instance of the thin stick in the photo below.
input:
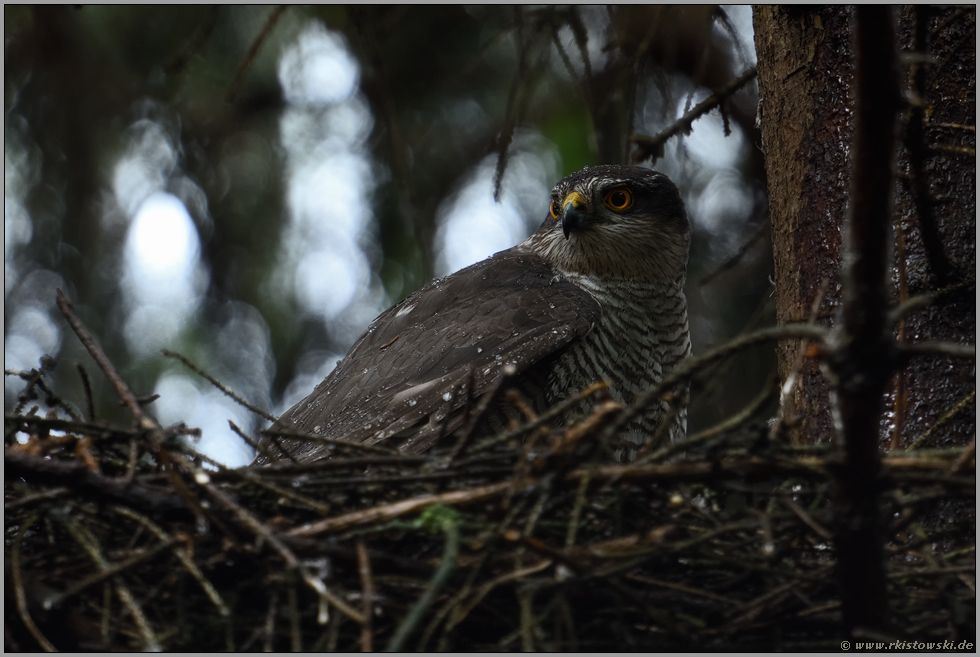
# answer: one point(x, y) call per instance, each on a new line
point(764, 227)
point(89, 543)
point(937, 348)
point(111, 571)
point(692, 364)
point(87, 387)
point(962, 405)
point(181, 555)
point(808, 519)
point(270, 622)
point(389, 511)
point(217, 384)
point(80, 479)
point(143, 420)
point(260, 529)
point(446, 568)
point(681, 587)
point(964, 459)
point(19, 595)
point(328, 441)
point(296, 638)
point(859, 361)
point(367, 595)
point(653, 147)
point(36, 497)
point(246, 62)
point(494, 583)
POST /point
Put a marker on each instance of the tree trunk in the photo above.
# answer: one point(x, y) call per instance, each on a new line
point(805, 76)
point(823, 166)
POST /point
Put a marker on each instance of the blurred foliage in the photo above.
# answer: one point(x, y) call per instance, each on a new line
point(447, 88)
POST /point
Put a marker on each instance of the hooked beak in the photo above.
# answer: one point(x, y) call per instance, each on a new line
point(573, 214)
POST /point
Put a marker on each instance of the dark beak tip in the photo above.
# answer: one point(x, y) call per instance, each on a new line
point(571, 220)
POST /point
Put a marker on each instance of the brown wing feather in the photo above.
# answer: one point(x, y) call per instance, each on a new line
point(510, 308)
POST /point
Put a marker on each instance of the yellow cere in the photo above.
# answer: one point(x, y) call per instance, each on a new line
point(576, 199)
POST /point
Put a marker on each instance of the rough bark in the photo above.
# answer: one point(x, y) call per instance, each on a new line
point(805, 75)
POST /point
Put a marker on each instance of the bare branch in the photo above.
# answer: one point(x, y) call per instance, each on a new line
point(860, 358)
point(653, 147)
point(217, 384)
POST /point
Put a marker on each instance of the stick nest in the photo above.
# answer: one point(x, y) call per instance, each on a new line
point(126, 538)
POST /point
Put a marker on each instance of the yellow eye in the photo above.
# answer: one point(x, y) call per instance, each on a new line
point(554, 209)
point(619, 199)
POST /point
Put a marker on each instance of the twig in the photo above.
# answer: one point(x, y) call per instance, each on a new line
point(80, 479)
point(111, 571)
point(681, 587)
point(653, 147)
point(573, 520)
point(323, 465)
point(18, 583)
point(915, 144)
point(270, 622)
point(143, 420)
point(217, 384)
point(246, 62)
point(555, 411)
point(295, 638)
point(254, 444)
point(451, 608)
point(260, 529)
point(922, 300)
point(181, 555)
point(525, 599)
point(446, 568)
point(962, 405)
point(860, 361)
point(732, 423)
point(328, 441)
point(953, 149)
point(494, 583)
point(91, 546)
point(936, 347)
point(68, 426)
point(963, 459)
point(923, 572)
point(87, 388)
point(747, 466)
point(387, 512)
point(763, 228)
point(767, 392)
point(510, 122)
point(481, 410)
point(36, 497)
point(367, 595)
point(195, 42)
point(808, 519)
point(254, 476)
point(692, 364)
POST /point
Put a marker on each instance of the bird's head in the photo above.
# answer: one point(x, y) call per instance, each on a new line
point(616, 220)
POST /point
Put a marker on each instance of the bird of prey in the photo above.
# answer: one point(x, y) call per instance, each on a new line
point(596, 294)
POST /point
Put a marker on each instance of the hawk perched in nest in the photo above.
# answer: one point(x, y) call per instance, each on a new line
point(596, 294)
